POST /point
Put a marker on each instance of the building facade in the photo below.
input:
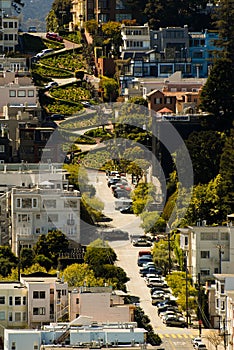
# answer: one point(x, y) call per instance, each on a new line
point(42, 208)
point(209, 250)
point(100, 304)
point(9, 22)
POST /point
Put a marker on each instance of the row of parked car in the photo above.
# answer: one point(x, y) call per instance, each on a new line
point(118, 184)
point(161, 295)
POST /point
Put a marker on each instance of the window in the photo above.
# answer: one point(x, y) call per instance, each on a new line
point(10, 300)
point(157, 101)
point(49, 203)
point(2, 148)
point(38, 216)
point(17, 300)
point(51, 291)
point(2, 300)
point(24, 301)
point(205, 254)
point(34, 203)
point(10, 24)
point(12, 93)
point(186, 240)
point(205, 272)
point(222, 305)
point(24, 218)
point(17, 316)
point(38, 294)
point(2, 315)
point(168, 100)
point(70, 204)
point(38, 230)
point(24, 318)
point(64, 292)
point(53, 218)
point(39, 311)
point(21, 93)
point(222, 288)
point(77, 301)
point(30, 93)
point(10, 318)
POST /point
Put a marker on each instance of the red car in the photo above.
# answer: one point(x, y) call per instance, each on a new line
point(54, 36)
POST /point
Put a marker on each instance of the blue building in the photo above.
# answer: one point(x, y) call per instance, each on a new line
point(201, 52)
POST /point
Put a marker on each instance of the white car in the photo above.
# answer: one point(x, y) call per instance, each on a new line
point(51, 84)
point(44, 52)
point(196, 340)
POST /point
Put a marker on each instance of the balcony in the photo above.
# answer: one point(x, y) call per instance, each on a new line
point(70, 222)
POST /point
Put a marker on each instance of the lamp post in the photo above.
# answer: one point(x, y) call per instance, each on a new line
point(186, 287)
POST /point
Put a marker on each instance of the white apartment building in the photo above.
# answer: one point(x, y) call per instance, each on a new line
point(209, 249)
point(135, 39)
point(17, 89)
point(43, 208)
point(47, 298)
point(9, 22)
point(35, 300)
point(100, 304)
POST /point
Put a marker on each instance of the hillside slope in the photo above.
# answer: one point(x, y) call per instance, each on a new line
point(34, 13)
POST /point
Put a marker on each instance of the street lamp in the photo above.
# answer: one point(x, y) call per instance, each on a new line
point(186, 287)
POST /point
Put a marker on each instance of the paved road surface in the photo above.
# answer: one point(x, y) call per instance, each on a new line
point(173, 338)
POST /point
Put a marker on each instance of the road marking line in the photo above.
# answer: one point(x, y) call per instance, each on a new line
point(174, 335)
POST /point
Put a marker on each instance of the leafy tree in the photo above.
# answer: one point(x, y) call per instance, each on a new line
point(8, 261)
point(138, 100)
point(110, 89)
point(223, 17)
point(162, 13)
point(227, 170)
point(207, 203)
point(94, 206)
point(151, 222)
point(142, 196)
point(77, 275)
point(114, 276)
point(161, 255)
point(205, 148)
point(34, 268)
point(27, 256)
point(112, 33)
point(43, 261)
point(99, 253)
point(217, 95)
point(91, 26)
point(62, 10)
point(51, 245)
point(51, 22)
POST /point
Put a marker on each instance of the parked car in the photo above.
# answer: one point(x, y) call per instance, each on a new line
point(44, 53)
point(51, 85)
point(144, 259)
point(127, 210)
point(144, 252)
point(199, 346)
point(196, 340)
point(57, 116)
point(140, 242)
point(173, 321)
point(54, 36)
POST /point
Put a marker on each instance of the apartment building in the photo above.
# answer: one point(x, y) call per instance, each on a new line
point(35, 300)
point(209, 249)
point(100, 304)
point(42, 208)
point(9, 22)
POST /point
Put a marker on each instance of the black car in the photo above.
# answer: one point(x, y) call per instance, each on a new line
point(142, 260)
point(127, 210)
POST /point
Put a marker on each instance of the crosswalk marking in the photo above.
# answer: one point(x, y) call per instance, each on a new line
point(173, 335)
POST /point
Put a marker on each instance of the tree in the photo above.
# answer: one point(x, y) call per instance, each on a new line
point(112, 33)
point(114, 276)
point(51, 245)
point(77, 275)
point(110, 89)
point(62, 10)
point(91, 26)
point(51, 22)
point(8, 261)
point(142, 196)
point(99, 253)
point(205, 149)
point(151, 222)
point(223, 17)
point(214, 338)
point(27, 256)
point(217, 95)
point(162, 13)
point(227, 170)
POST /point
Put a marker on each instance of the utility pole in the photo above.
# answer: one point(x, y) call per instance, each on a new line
point(220, 248)
point(186, 287)
point(199, 305)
